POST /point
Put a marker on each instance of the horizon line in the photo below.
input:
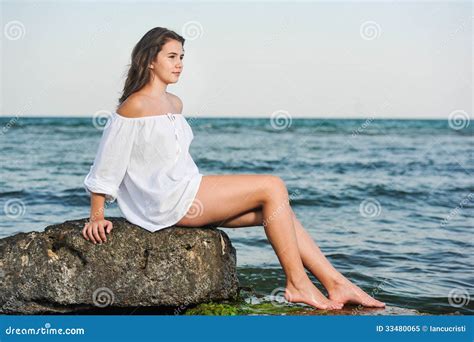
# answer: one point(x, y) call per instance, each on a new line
point(240, 117)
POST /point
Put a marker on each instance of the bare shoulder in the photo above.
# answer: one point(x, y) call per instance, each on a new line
point(135, 106)
point(177, 103)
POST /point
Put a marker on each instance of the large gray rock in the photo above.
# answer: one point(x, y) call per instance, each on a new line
point(58, 271)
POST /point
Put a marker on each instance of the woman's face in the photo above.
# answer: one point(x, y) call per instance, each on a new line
point(168, 63)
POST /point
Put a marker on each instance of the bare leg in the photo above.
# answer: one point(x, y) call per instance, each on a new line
point(239, 193)
point(281, 234)
point(339, 288)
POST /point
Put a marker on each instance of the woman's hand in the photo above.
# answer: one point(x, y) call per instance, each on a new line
point(95, 230)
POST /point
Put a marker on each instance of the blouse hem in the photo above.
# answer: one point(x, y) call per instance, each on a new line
point(151, 227)
point(94, 186)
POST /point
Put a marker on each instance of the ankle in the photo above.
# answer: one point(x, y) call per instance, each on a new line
point(298, 282)
point(336, 282)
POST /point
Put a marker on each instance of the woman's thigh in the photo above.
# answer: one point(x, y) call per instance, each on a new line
point(221, 197)
point(250, 218)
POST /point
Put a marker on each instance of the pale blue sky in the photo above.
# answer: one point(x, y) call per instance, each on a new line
point(249, 59)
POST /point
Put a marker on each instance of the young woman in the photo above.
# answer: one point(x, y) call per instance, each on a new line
point(143, 161)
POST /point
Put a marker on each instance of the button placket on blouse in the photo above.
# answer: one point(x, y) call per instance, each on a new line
point(172, 119)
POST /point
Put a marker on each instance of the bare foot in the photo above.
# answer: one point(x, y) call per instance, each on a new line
point(347, 292)
point(309, 294)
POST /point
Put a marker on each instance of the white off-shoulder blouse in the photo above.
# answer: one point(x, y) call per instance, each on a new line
point(144, 163)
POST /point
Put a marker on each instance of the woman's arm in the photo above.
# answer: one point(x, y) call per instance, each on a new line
point(95, 229)
point(107, 173)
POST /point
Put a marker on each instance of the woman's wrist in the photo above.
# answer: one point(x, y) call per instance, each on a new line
point(97, 211)
point(97, 215)
point(95, 218)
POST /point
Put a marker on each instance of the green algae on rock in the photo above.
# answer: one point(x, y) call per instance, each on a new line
point(247, 305)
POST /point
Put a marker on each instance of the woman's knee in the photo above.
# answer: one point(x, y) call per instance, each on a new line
point(263, 190)
point(275, 188)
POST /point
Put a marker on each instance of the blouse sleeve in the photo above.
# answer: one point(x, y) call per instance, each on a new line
point(112, 159)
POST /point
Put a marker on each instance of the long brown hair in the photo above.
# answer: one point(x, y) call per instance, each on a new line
point(143, 54)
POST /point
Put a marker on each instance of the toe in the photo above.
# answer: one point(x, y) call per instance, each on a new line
point(374, 303)
point(381, 304)
point(334, 306)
